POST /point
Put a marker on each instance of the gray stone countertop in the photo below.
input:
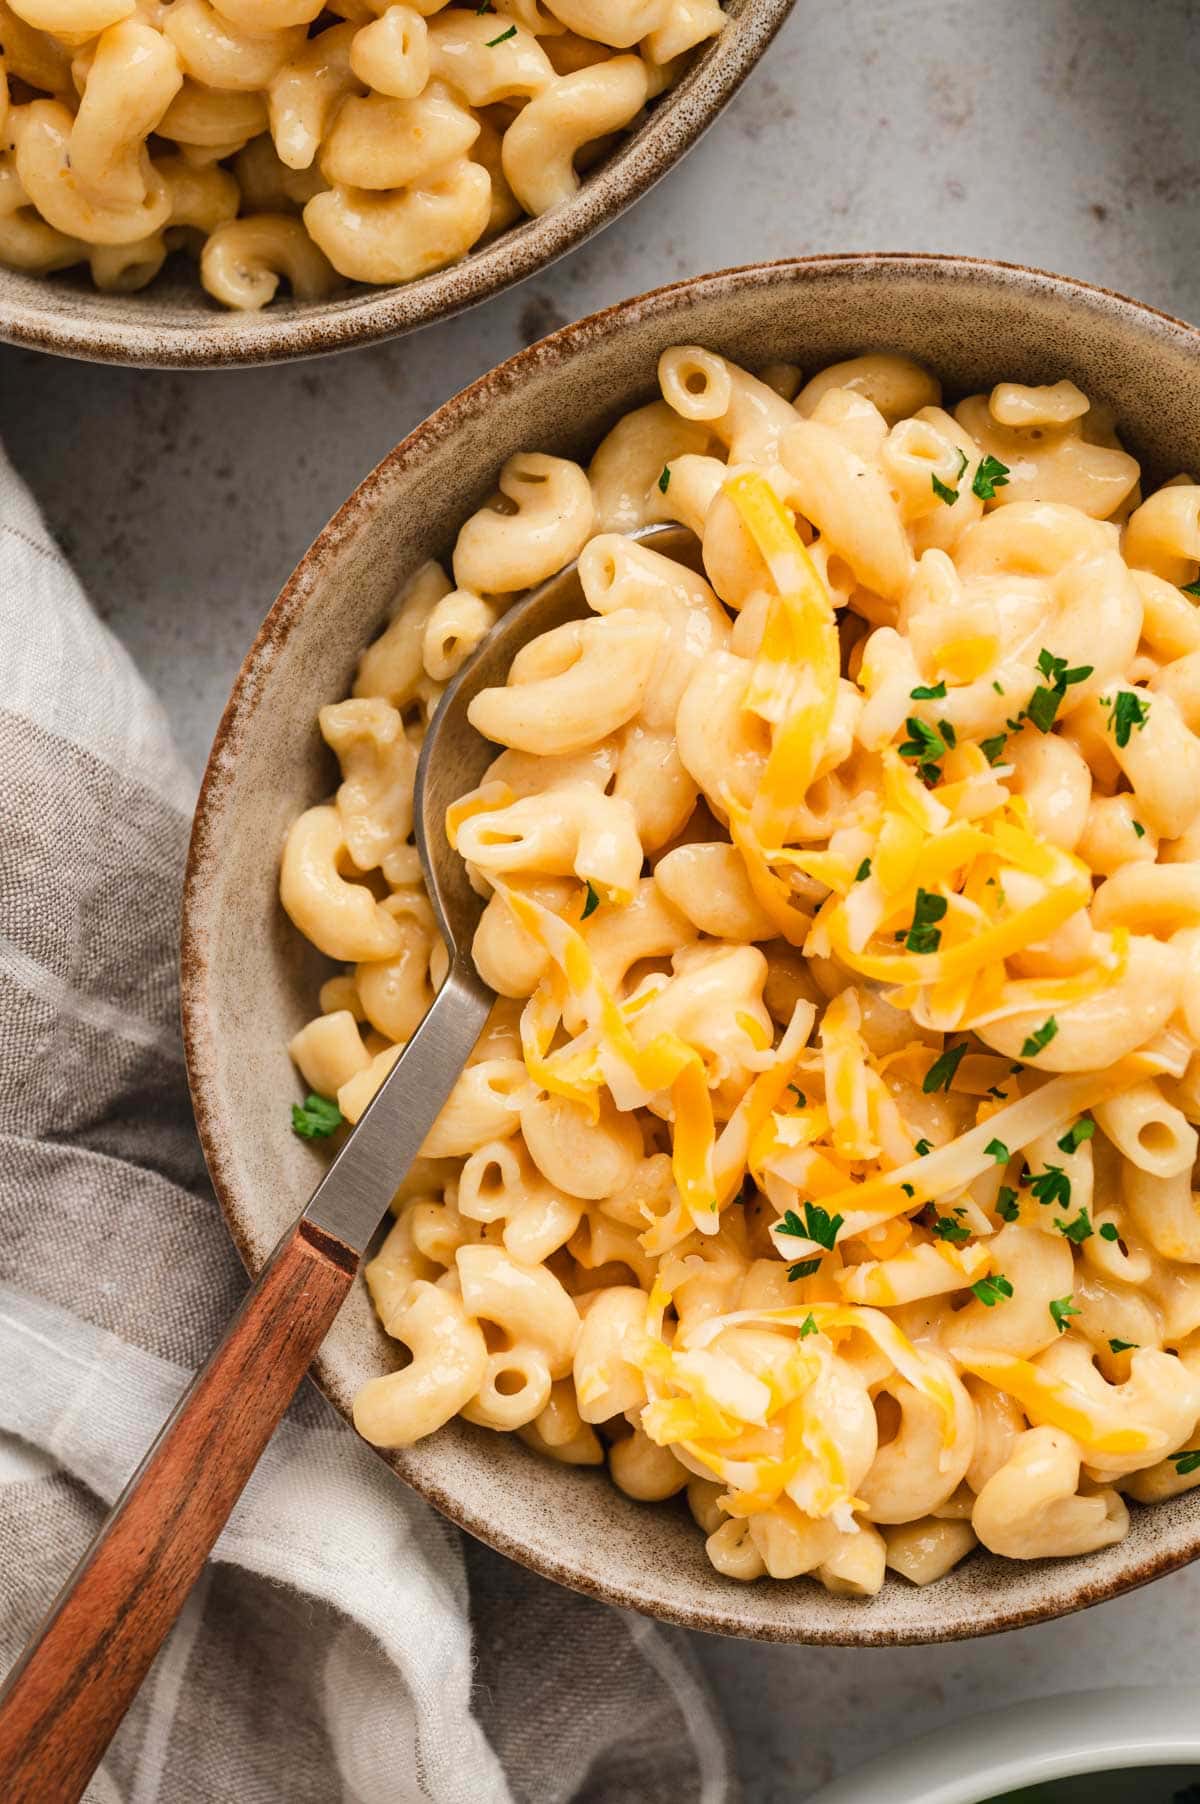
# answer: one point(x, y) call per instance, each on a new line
point(1050, 132)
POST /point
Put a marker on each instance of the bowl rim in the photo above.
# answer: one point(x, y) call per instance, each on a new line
point(237, 718)
point(531, 245)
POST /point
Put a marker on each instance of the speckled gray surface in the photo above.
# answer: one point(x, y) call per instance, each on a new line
point(1047, 131)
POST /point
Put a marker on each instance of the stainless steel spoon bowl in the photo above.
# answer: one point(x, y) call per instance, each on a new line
point(356, 1190)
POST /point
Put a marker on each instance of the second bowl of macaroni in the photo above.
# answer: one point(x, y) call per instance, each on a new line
point(809, 1249)
point(205, 182)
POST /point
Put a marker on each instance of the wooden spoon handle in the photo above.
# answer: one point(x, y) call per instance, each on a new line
point(65, 1697)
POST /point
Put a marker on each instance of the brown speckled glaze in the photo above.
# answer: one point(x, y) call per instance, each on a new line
point(174, 323)
point(248, 983)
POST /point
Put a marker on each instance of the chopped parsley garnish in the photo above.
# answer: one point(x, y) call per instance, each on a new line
point(801, 1098)
point(948, 734)
point(990, 476)
point(1125, 713)
point(946, 1228)
point(316, 1118)
point(1040, 1038)
point(996, 1149)
point(1007, 1207)
point(592, 902)
point(863, 871)
point(805, 1269)
point(1186, 1461)
point(1121, 1346)
point(1051, 1186)
point(485, 6)
point(1044, 702)
point(943, 490)
point(664, 481)
point(940, 1075)
point(924, 1146)
point(1110, 1231)
point(925, 745)
point(1191, 589)
point(1075, 1136)
point(1060, 1309)
point(504, 36)
point(993, 748)
point(990, 1290)
point(998, 1093)
point(929, 692)
point(1078, 1230)
point(817, 1225)
point(1138, 829)
point(923, 935)
point(809, 1326)
point(908, 1189)
point(997, 686)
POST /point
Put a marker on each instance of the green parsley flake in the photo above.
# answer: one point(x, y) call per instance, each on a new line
point(664, 481)
point(816, 1226)
point(801, 1098)
point(990, 476)
point(929, 692)
point(592, 902)
point(908, 1189)
point(996, 1149)
point(923, 935)
point(998, 687)
point(1110, 1231)
point(924, 1146)
point(1125, 713)
point(805, 1269)
point(1044, 702)
point(1051, 1186)
point(1186, 1461)
point(922, 742)
point(1075, 1136)
point(1191, 589)
point(1138, 829)
point(863, 871)
point(943, 491)
point(940, 1075)
point(993, 748)
point(991, 1290)
point(946, 1228)
point(1007, 1207)
point(1060, 1309)
point(1040, 1038)
point(809, 1326)
point(503, 38)
point(1121, 1346)
point(1078, 1230)
point(316, 1118)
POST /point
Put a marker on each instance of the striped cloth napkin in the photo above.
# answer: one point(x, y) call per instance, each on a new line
point(345, 1645)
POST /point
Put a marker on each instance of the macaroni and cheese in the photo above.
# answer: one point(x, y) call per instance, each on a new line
point(286, 140)
point(829, 1153)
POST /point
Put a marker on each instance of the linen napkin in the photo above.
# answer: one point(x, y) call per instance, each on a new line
point(345, 1645)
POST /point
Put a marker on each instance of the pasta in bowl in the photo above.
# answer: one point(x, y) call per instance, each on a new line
point(296, 150)
point(827, 1160)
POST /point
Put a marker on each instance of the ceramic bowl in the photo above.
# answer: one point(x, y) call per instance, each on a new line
point(249, 982)
point(1129, 1746)
point(174, 323)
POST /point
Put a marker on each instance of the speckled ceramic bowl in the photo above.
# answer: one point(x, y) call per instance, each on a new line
point(174, 323)
point(249, 982)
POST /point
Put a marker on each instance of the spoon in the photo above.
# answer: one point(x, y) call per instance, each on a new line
point(63, 1700)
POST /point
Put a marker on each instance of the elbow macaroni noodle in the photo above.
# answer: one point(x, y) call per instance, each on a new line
point(830, 1151)
point(275, 139)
